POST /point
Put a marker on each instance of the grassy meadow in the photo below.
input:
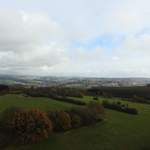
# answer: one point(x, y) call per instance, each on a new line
point(119, 131)
point(12, 100)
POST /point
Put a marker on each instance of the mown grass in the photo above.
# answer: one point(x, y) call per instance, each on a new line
point(120, 131)
point(12, 100)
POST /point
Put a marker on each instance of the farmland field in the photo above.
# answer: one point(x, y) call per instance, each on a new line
point(119, 131)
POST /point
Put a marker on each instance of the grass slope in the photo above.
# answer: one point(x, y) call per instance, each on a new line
point(10, 100)
point(120, 131)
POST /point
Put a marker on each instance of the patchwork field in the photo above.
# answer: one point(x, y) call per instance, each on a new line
point(120, 131)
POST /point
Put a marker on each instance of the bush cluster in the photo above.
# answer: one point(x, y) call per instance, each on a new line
point(74, 118)
point(68, 100)
point(30, 126)
point(91, 114)
point(60, 119)
point(26, 126)
point(120, 107)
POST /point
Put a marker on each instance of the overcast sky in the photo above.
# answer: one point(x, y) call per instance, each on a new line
point(103, 38)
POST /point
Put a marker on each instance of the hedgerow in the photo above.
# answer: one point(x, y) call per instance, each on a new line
point(120, 107)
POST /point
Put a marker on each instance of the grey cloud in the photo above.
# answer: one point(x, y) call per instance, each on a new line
point(29, 40)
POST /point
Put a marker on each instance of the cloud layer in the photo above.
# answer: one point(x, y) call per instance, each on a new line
point(29, 41)
point(88, 37)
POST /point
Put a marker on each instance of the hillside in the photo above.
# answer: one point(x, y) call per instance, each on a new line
point(119, 131)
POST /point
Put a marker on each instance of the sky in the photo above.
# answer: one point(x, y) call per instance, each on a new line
point(94, 38)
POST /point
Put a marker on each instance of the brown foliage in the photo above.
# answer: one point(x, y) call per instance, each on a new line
point(97, 109)
point(90, 114)
point(64, 120)
point(61, 120)
point(30, 126)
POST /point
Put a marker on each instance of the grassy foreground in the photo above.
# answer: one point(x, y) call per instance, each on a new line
point(120, 131)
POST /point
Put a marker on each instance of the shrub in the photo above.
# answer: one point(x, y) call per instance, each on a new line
point(53, 117)
point(60, 119)
point(131, 111)
point(68, 100)
point(8, 114)
point(22, 126)
point(75, 120)
point(27, 126)
point(97, 110)
point(120, 107)
point(6, 135)
point(91, 114)
point(84, 114)
point(64, 120)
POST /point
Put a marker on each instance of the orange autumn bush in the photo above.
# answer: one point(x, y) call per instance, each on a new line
point(29, 126)
point(61, 120)
point(64, 120)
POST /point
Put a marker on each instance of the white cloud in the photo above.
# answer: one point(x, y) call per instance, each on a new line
point(29, 40)
point(32, 42)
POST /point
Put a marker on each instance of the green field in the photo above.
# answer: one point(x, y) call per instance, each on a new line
point(31, 102)
point(120, 131)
